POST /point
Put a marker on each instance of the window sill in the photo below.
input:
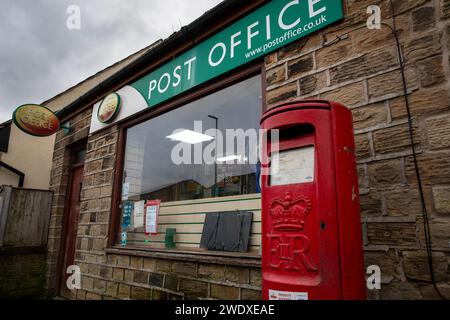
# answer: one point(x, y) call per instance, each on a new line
point(226, 258)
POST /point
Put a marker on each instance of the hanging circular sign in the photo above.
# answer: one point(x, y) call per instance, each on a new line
point(36, 120)
point(109, 108)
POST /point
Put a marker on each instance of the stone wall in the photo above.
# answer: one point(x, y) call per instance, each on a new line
point(59, 182)
point(128, 276)
point(22, 274)
point(361, 70)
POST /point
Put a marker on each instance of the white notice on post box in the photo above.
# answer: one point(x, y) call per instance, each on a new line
point(284, 295)
point(292, 166)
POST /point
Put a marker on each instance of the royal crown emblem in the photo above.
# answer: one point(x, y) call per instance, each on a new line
point(289, 214)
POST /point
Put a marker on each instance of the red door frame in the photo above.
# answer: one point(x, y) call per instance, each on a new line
point(70, 220)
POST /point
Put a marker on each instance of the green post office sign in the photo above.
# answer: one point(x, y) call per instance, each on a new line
point(271, 27)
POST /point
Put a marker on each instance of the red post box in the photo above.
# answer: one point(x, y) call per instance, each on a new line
point(311, 227)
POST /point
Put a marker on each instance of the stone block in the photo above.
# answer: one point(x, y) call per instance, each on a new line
point(156, 279)
point(150, 264)
point(364, 66)
point(391, 83)
point(385, 173)
point(423, 19)
point(335, 53)
point(393, 234)
point(251, 295)
point(300, 66)
point(415, 266)
point(118, 274)
point(136, 262)
point(431, 71)
point(298, 47)
point(371, 204)
point(138, 293)
point(255, 277)
point(141, 277)
point(422, 102)
point(429, 293)
point(438, 132)
point(282, 94)
point(160, 295)
point(193, 289)
point(389, 263)
point(129, 275)
point(171, 282)
point(93, 296)
point(123, 261)
point(418, 48)
point(276, 75)
point(238, 275)
point(400, 290)
point(370, 116)
point(224, 292)
point(185, 268)
point(163, 265)
point(270, 60)
point(402, 202)
point(211, 271)
point(312, 83)
point(362, 146)
point(440, 233)
point(123, 291)
point(394, 139)
point(441, 198)
point(444, 9)
point(350, 95)
point(111, 289)
point(100, 285)
point(434, 168)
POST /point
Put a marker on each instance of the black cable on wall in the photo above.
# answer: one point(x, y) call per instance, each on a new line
point(426, 222)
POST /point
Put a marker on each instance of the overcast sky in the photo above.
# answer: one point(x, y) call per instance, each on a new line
point(40, 57)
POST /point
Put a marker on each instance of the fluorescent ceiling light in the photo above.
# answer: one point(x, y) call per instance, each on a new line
point(229, 158)
point(191, 137)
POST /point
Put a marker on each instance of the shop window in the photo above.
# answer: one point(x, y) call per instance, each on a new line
point(172, 158)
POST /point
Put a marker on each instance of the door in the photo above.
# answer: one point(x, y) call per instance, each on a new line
point(70, 224)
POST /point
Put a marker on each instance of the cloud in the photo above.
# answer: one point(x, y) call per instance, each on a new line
point(40, 57)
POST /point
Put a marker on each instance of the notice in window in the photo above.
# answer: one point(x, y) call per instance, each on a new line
point(292, 166)
point(138, 219)
point(151, 217)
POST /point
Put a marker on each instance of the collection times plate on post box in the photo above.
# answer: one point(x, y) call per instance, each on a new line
point(292, 166)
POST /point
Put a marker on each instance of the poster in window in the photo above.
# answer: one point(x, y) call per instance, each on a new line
point(151, 217)
point(125, 191)
point(138, 217)
point(127, 212)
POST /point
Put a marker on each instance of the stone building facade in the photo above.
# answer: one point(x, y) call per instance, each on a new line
point(347, 63)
